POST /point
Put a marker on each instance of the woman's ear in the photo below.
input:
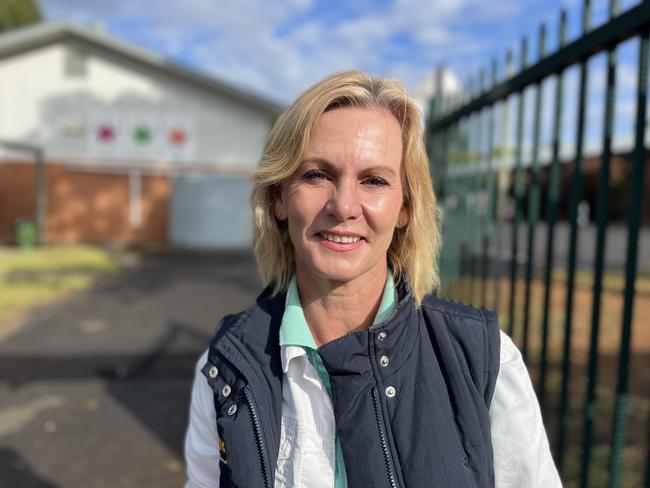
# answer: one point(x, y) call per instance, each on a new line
point(403, 217)
point(279, 207)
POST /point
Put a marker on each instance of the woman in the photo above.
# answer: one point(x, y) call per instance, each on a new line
point(346, 371)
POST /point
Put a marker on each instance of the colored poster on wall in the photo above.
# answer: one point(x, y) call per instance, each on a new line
point(156, 136)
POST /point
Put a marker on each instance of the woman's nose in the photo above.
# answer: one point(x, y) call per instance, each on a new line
point(344, 203)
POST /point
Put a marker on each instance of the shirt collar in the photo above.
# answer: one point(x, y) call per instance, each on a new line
point(295, 335)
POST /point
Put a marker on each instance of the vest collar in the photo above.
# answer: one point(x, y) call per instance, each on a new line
point(393, 338)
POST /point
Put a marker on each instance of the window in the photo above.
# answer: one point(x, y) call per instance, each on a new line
point(75, 63)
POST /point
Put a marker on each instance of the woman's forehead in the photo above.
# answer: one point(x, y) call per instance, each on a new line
point(353, 134)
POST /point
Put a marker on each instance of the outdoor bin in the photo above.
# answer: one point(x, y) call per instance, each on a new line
point(25, 230)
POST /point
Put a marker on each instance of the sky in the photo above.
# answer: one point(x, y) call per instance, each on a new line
point(278, 48)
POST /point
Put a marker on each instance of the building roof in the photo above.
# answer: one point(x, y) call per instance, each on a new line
point(39, 35)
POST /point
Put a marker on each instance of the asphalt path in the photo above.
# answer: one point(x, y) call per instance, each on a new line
point(94, 389)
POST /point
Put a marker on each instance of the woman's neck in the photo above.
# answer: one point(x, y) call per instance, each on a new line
point(333, 309)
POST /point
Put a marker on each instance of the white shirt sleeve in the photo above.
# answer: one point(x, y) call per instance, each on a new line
point(522, 457)
point(202, 439)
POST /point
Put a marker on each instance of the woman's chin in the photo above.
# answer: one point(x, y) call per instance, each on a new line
point(342, 273)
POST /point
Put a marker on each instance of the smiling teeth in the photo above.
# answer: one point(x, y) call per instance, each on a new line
point(341, 239)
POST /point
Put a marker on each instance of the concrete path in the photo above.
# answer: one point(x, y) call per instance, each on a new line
point(94, 389)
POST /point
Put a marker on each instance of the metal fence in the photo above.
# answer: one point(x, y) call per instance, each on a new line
point(488, 193)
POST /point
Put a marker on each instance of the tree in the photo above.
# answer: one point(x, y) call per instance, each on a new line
point(18, 13)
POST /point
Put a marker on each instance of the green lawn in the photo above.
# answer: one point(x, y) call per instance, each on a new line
point(37, 276)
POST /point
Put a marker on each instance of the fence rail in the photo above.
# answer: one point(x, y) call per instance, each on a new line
point(468, 140)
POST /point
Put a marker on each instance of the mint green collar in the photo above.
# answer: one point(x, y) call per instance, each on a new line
point(294, 330)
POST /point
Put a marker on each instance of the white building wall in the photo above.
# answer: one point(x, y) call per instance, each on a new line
point(40, 103)
point(25, 82)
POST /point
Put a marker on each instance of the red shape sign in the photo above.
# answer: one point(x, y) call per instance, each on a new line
point(177, 137)
point(106, 133)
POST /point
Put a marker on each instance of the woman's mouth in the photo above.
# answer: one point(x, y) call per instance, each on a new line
point(339, 238)
point(340, 242)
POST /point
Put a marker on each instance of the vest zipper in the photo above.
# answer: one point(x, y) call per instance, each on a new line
point(258, 435)
point(382, 438)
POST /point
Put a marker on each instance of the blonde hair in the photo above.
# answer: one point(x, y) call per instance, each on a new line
point(413, 251)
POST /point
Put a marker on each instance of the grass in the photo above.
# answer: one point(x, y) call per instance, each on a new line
point(37, 276)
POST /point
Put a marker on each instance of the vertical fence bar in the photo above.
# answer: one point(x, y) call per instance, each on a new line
point(451, 240)
point(442, 198)
point(482, 184)
point(461, 192)
point(454, 245)
point(633, 225)
point(483, 238)
point(491, 194)
point(453, 268)
point(553, 203)
point(533, 199)
point(477, 178)
point(442, 175)
point(462, 186)
point(502, 184)
point(576, 194)
point(602, 216)
point(472, 177)
point(452, 254)
point(519, 196)
point(467, 193)
point(456, 250)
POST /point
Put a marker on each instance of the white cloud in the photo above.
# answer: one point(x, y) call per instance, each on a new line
point(278, 48)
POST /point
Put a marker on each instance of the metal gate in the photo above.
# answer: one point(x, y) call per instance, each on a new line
point(501, 208)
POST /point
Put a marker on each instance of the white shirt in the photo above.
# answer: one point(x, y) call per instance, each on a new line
point(522, 457)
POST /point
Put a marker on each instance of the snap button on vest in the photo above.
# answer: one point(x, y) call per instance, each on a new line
point(384, 361)
point(225, 391)
point(381, 336)
point(232, 409)
point(390, 391)
point(213, 372)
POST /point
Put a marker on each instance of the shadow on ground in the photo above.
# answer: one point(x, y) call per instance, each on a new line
point(17, 473)
point(130, 344)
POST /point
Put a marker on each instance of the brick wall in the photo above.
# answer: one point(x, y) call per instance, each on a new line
point(84, 206)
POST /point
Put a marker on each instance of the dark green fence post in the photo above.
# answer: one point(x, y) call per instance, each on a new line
point(463, 198)
point(576, 194)
point(553, 204)
point(633, 225)
point(489, 216)
point(519, 196)
point(477, 177)
point(502, 189)
point(602, 217)
point(533, 198)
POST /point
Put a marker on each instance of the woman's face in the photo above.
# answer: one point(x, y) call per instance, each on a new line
point(345, 200)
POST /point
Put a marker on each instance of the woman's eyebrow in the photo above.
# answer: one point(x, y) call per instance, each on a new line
point(329, 166)
point(385, 170)
point(318, 161)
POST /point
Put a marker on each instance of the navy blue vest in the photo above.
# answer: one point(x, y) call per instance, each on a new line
point(411, 395)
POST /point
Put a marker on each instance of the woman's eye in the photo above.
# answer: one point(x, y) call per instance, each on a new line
point(376, 181)
point(314, 175)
